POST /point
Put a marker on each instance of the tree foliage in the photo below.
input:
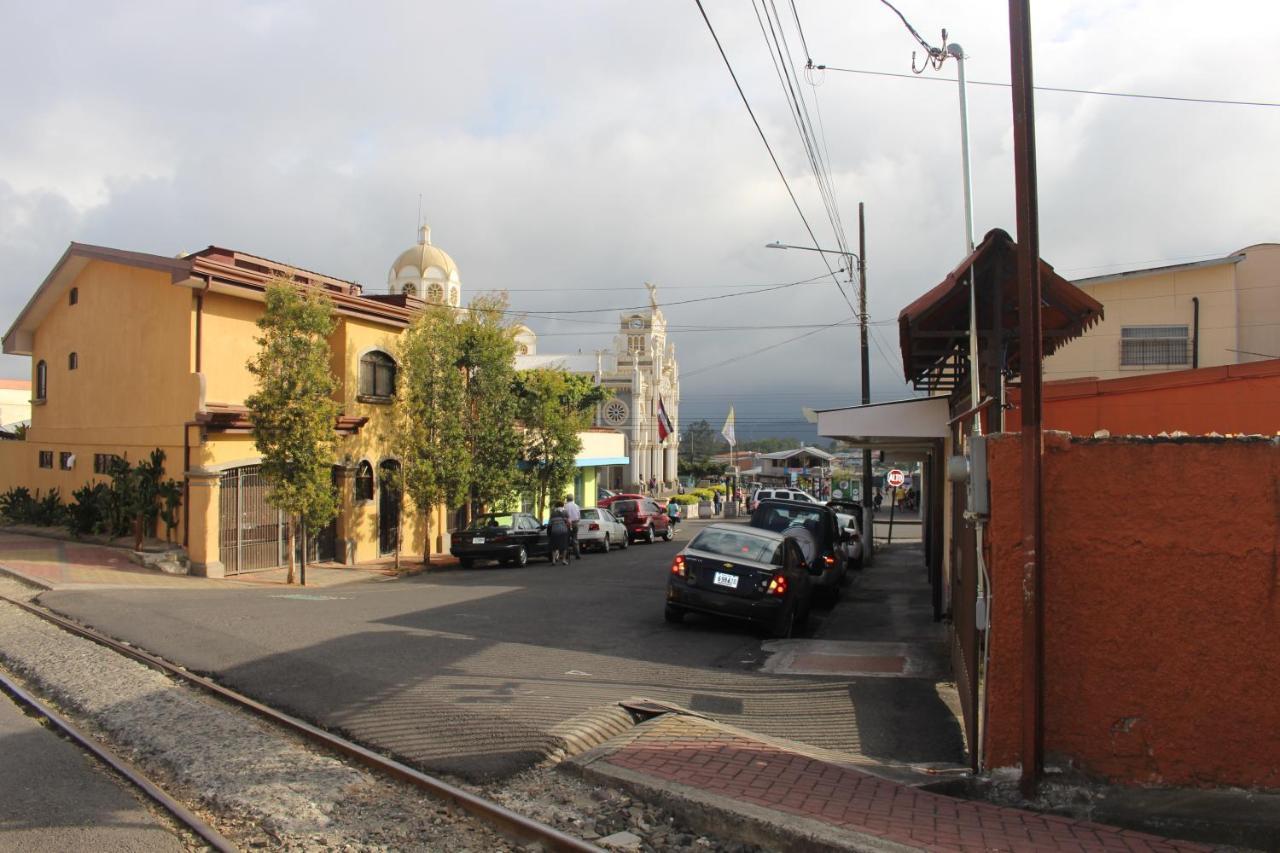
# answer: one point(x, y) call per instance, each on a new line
point(293, 410)
point(553, 406)
point(486, 352)
point(699, 441)
point(430, 434)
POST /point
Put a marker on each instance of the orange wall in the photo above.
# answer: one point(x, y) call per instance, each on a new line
point(1162, 609)
point(1242, 398)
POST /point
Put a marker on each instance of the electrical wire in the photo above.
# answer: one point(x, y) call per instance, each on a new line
point(1061, 89)
point(684, 374)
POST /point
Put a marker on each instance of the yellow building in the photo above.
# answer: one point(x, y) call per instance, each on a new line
point(1204, 314)
point(132, 351)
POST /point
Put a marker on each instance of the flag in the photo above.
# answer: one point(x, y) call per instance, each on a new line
point(664, 422)
point(727, 430)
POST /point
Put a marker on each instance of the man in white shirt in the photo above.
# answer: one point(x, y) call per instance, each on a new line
point(574, 512)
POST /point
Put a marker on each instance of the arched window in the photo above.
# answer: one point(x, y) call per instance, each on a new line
point(377, 377)
point(435, 293)
point(409, 289)
point(42, 380)
point(364, 482)
point(73, 361)
point(74, 297)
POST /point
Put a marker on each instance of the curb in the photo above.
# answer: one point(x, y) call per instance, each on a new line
point(723, 817)
point(30, 581)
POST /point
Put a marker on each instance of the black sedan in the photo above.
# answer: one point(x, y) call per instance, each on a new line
point(819, 531)
point(511, 538)
point(757, 576)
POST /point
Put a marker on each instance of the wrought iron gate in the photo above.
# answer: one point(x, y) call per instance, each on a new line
point(252, 533)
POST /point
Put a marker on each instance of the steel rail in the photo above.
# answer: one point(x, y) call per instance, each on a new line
point(124, 768)
point(502, 819)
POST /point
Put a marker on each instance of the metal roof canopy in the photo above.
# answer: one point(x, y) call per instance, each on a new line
point(906, 429)
point(934, 329)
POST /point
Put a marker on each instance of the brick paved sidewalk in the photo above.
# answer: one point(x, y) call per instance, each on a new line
point(786, 797)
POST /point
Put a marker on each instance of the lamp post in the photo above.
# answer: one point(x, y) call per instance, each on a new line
point(860, 259)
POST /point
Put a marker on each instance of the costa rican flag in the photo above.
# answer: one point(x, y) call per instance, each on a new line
point(664, 422)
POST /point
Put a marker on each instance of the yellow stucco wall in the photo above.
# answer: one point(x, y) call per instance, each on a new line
point(1158, 298)
point(229, 343)
point(1258, 280)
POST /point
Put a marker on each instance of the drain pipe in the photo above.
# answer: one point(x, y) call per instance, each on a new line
point(1195, 332)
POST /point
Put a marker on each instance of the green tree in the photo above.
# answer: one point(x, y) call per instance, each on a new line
point(554, 406)
point(430, 433)
point(293, 410)
point(486, 343)
point(699, 441)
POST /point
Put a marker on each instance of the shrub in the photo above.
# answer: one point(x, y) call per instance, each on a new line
point(719, 488)
point(49, 510)
point(89, 511)
point(17, 504)
point(685, 500)
point(705, 495)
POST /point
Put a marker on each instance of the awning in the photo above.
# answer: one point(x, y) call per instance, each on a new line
point(900, 428)
point(934, 330)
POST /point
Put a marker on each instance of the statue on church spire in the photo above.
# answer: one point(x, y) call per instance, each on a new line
point(653, 295)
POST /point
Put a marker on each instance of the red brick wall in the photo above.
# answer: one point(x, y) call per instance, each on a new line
point(1162, 610)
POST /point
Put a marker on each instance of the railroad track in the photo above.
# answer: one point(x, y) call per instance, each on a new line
point(501, 819)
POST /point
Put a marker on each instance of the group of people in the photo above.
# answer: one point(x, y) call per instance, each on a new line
point(562, 529)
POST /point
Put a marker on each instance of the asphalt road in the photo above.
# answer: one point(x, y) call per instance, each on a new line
point(470, 672)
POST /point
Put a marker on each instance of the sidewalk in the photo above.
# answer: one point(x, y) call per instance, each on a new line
point(784, 795)
point(62, 564)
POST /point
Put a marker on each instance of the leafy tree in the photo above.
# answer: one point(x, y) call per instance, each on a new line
point(430, 433)
point(699, 440)
point(554, 406)
point(487, 348)
point(293, 410)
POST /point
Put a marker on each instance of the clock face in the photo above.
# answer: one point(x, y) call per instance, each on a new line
point(636, 323)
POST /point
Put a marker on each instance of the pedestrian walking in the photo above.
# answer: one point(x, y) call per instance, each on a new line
point(574, 513)
point(717, 498)
point(673, 513)
point(558, 533)
point(653, 486)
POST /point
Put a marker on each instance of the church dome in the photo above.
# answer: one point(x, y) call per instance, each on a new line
point(427, 272)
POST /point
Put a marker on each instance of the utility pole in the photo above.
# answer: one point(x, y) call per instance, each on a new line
point(1030, 352)
point(868, 506)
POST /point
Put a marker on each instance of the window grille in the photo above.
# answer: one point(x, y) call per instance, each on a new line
point(66, 460)
point(102, 462)
point(46, 458)
point(1145, 346)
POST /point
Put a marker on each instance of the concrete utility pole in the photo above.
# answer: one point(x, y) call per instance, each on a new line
point(868, 506)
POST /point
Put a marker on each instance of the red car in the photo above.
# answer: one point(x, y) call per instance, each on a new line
point(644, 519)
point(622, 496)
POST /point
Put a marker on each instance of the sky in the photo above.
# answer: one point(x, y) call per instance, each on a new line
point(568, 152)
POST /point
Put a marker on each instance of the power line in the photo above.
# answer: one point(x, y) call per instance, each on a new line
point(745, 355)
point(686, 301)
point(776, 165)
point(1063, 89)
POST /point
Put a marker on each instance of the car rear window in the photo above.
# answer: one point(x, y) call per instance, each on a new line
point(742, 546)
point(591, 513)
point(495, 520)
point(623, 507)
point(779, 518)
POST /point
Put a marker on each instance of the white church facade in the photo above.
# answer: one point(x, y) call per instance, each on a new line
point(641, 380)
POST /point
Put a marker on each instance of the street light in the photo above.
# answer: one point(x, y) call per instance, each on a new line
point(860, 261)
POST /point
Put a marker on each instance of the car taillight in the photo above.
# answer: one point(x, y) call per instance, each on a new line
point(677, 566)
point(777, 586)
point(829, 560)
point(593, 526)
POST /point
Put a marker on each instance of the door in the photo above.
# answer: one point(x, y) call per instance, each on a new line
point(389, 500)
point(252, 534)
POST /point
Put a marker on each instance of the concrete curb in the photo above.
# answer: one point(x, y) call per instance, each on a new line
point(30, 581)
point(723, 817)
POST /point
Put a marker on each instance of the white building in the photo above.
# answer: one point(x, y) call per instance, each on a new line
point(638, 374)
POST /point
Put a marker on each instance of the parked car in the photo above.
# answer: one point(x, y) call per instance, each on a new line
point(849, 516)
point(511, 538)
point(618, 496)
point(819, 533)
point(643, 518)
point(600, 530)
point(758, 576)
point(781, 494)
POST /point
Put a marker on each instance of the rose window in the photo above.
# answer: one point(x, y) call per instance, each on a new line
point(615, 412)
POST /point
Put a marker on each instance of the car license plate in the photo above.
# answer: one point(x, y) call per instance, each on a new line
point(479, 540)
point(726, 579)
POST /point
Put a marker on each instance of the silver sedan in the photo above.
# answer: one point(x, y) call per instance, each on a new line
point(600, 530)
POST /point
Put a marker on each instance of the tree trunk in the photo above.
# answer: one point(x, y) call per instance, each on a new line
point(426, 539)
point(289, 540)
point(399, 536)
point(137, 533)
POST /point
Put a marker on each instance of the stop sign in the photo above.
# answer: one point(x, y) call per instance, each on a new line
point(895, 478)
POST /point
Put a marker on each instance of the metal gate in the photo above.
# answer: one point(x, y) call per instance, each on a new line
point(251, 532)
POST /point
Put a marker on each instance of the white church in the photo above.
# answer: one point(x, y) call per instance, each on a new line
point(638, 374)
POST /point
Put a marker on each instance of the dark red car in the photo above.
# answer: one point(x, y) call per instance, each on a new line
point(622, 496)
point(644, 519)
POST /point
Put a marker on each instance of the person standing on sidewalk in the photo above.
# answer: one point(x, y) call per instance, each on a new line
point(574, 514)
point(558, 534)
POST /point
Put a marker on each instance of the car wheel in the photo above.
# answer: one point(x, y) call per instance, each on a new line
point(521, 558)
point(626, 542)
point(606, 546)
point(668, 534)
point(466, 562)
point(648, 534)
point(785, 625)
point(673, 614)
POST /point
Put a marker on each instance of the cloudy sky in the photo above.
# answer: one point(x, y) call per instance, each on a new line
point(570, 151)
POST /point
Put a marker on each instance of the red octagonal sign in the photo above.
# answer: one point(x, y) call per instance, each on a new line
point(895, 478)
